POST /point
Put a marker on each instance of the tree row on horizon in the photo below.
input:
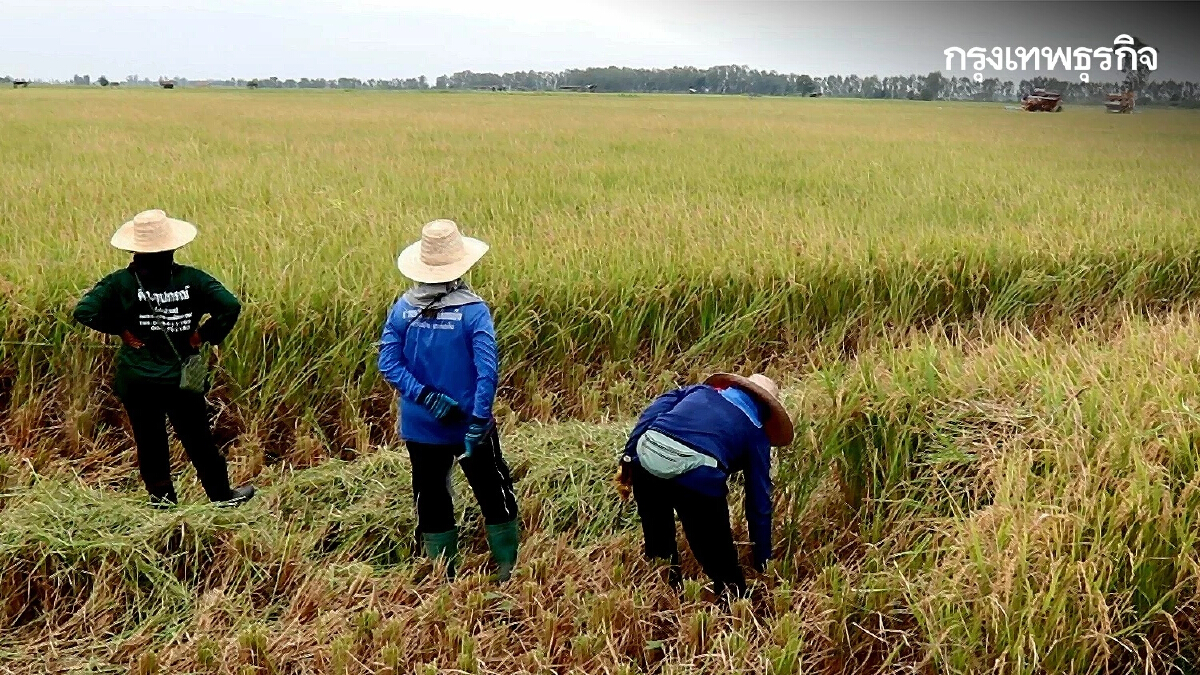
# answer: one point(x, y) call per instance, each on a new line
point(718, 80)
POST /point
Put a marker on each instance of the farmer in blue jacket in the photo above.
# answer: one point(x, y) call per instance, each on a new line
point(679, 459)
point(439, 352)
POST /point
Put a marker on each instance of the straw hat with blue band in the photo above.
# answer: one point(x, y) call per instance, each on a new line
point(778, 424)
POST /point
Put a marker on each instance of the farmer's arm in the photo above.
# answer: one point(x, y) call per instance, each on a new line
point(99, 309)
point(758, 501)
point(661, 405)
point(222, 308)
point(483, 353)
point(391, 356)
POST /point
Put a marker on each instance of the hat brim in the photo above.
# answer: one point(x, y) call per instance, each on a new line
point(410, 264)
point(179, 234)
point(778, 425)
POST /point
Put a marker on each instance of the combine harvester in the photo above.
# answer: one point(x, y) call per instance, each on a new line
point(1119, 103)
point(1042, 101)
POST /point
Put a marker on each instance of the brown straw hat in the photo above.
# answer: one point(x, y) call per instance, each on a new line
point(153, 232)
point(442, 255)
point(778, 423)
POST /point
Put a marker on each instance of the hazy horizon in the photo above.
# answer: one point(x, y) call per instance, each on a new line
point(385, 39)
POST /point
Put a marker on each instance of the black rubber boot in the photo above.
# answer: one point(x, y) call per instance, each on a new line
point(238, 496)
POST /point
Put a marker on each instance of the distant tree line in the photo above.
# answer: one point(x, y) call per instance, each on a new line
point(744, 80)
point(322, 83)
point(721, 80)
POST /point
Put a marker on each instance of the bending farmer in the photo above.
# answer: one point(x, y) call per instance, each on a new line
point(679, 459)
point(439, 351)
point(156, 305)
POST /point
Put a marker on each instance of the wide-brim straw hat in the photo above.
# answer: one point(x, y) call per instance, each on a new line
point(442, 255)
point(778, 424)
point(153, 232)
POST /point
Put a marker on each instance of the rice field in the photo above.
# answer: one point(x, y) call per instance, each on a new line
point(985, 322)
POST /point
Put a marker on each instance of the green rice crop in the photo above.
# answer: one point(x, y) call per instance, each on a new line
point(632, 236)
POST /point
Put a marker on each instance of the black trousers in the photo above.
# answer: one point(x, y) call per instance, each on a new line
point(149, 406)
point(486, 472)
point(705, 524)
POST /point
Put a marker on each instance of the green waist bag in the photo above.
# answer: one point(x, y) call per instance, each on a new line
point(193, 373)
point(666, 458)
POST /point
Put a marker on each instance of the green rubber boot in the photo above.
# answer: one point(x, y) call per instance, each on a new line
point(443, 545)
point(503, 539)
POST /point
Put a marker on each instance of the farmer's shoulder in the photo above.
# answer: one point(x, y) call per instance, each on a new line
point(185, 275)
point(477, 311)
point(402, 305)
point(118, 279)
point(192, 274)
point(401, 311)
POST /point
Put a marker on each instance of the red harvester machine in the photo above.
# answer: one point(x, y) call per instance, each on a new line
point(1119, 103)
point(1042, 101)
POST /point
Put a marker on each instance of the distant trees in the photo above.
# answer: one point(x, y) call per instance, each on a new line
point(932, 86)
point(715, 80)
point(735, 79)
point(743, 80)
point(805, 85)
point(1136, 72)
point(322, 83)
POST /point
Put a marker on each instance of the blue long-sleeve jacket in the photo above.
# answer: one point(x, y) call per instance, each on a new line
point(701, 418)
point(454, 353)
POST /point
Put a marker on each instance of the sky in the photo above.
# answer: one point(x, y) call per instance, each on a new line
point(200, 39)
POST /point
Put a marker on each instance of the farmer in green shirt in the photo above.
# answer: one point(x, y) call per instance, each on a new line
point(156, 307)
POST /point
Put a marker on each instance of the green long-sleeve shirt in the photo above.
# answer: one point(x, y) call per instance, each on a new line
point(115, 305)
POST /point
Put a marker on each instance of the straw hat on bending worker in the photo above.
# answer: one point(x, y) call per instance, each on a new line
point(778, 424)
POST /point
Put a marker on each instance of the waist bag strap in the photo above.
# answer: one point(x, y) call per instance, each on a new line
point(665, 457)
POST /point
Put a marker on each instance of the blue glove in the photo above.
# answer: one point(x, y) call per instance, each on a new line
point(440, 405)
point(475, 434)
